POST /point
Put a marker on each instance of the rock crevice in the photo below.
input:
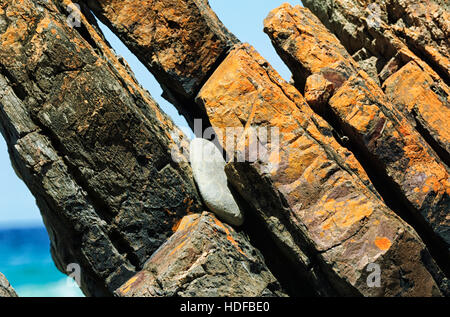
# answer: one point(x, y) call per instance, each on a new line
point(351, 172)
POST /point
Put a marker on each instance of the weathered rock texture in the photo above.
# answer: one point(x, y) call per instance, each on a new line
point(406, 39)
point(320, 212)
point(97, 152)
point(386, 27)
point(197, 259)
point(6, 289)
point(358, 107)
point(180, 41)
point(425, 102)
point(90, 143)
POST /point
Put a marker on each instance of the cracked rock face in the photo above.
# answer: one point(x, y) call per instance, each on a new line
point(385, 26)
point(179, 41)
point(331, 216)
point(6, 289)
point(204, 258)
point(410, 39)
point(90, 143)
point(360, 109)
point(351, 174)
point(208, 167)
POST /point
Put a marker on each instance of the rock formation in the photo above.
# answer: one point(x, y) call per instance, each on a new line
point(407, 40)
point(343, 172)
point(180, 41)
point(90, 143)
point(359, 109)
point(324, 208)
point(6, 289)
point(205, 257)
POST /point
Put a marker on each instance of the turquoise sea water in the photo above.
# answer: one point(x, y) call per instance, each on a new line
point(26, 262)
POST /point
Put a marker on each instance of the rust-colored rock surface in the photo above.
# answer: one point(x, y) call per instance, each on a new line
point(342, 177)
point(180, 41)
point(377, 130)
point(320, 212)
point(205, 258)
point(425, 101)
point(386, 28)
point(409, 37)
point(92, 146)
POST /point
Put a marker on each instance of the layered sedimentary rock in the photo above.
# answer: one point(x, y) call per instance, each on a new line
point(6, 289)
point(384, 27)
point(108, 168)
point(425, 101)
point(104, 162)
point(405, 39)
point(320, 212)
point(180, 41)
point(337, 88)
point(314, 173)
point(205, 258)
point(90, 143)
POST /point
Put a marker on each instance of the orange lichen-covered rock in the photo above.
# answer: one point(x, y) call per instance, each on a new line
point(180, 41)
point(106, 164)
point(203, 258)
point(305, 193)
point(388, 27)
point(374, 126)
point(409, 35)
point(318, 90)
point(418, 95)
point(91, 144)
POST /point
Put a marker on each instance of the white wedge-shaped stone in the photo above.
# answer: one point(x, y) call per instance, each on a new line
point(208, 167)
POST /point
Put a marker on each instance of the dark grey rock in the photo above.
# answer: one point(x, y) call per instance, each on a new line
point(92, 145)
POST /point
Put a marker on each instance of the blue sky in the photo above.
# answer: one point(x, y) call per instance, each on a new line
point(242, 17)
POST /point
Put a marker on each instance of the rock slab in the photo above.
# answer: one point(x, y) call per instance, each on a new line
point(314, 205)
point(179, 41)
point(92, 145)
point(381, 134)
point(204, 258)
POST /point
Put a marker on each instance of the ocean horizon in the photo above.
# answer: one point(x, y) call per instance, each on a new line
point(26, 262)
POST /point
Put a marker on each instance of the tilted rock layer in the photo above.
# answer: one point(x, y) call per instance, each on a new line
point(352, 173)
point(330, 214)
point(180, 41)
point(406, 39)
point(6, 289)
point(359, 108)
point(90, 143)
point(196, 259)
